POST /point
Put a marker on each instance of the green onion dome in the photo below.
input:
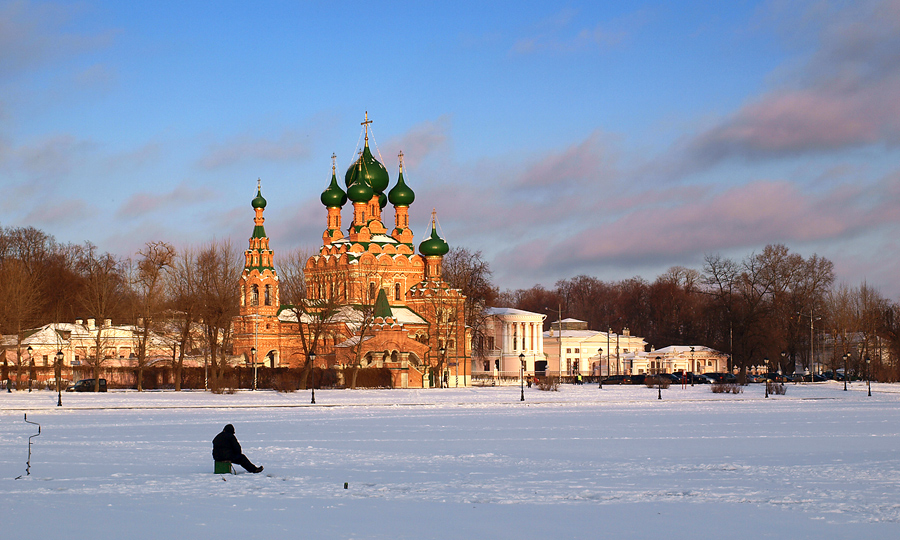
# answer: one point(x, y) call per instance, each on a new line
point(333, 196)
point(258, 201)
point(382, 200)
point(435, 245)
point(360, 191)
point(401, 194)
point(370, 169)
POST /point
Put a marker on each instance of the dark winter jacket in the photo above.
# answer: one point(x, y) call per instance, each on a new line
point(225, 445)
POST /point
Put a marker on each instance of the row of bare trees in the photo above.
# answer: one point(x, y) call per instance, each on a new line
point(769, 303)
point(190, 294)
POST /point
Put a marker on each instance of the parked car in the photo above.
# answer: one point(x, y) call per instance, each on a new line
point(617, 379)
point(722, 378)
point(638, 378)
point(86, 385)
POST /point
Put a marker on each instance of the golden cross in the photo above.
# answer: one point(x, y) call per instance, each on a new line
point(333, 157)
point(366, 124)
point(258, 184)
point(400, 155)
point(433, 217)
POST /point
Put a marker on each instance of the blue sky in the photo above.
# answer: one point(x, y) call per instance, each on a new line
point(609, 138)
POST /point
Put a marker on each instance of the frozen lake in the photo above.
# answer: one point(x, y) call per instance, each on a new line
point(458, 463)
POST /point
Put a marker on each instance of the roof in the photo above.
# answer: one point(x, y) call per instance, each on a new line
point(512, 311)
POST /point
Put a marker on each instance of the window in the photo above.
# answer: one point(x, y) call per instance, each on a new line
point(371, 292)
point(490, 342)
point(268, 295)
point(396, 291)
point(568, 351)
point(576, 350)
point(254, 295)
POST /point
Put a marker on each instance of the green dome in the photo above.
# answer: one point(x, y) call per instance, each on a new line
point(372, 170)
point(333, 196)
point(401, 194)
point(258, 201)
point(434, 245)
point(382, 200)
point(360, 192)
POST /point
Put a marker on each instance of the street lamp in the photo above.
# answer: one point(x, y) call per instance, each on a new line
point(868, 375)
point(312, 369)
point(600, 366)
point(846, 359)
point(693, 367)
point(442, 351)
point(30, 367)
point(766, 379)
point(658, 379)
point(253, 359)
point(59, 360)
point(522, 375)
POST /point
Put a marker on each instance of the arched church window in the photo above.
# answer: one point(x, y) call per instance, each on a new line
point(268, 295)
point(396, 291)
point(371, 292)
point(254, 295)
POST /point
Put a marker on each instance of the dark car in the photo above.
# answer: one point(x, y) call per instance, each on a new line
point(86, 385)
point(722, 378)
point(617, 379)
point(638, 378)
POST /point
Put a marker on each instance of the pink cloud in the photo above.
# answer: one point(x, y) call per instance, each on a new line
point(843, 97)
point(289, 146)
point(141, 204)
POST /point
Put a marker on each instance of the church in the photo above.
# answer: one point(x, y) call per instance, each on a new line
point(371, 300)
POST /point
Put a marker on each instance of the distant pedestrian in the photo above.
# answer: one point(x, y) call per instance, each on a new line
point(227, 448)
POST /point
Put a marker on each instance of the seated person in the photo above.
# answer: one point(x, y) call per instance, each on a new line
point(227, 448)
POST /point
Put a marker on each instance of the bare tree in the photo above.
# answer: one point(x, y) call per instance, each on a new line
point(183, 285)
point(314, 317)
point(468, 272)
point(148, 280)
point(100, 297)
point(218, 275)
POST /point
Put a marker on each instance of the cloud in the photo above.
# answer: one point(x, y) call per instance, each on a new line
point(141, 204)
point(34, 35)
point(61, 214)
point(421, 141)
point(692, 223)
point(289, 146)
point(843, 96)
point(559, 33)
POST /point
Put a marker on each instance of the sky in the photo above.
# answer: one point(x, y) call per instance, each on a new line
point(614, 139)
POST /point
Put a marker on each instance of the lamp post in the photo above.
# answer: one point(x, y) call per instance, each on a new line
point(522, 375)
point(442, 351)
point(312, 370)
point(253, 359)
point(658, 379)
point(693, 367)
point(30, 367)
point(780, 366)
point(59, 360)
point(600, 366)
point(868, 375)
point(766, 379)
point(846, 359)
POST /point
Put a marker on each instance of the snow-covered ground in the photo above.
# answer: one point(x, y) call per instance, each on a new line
point(458, 463)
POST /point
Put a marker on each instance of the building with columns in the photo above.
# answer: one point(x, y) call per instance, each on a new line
point(572, 349)
point(680, 358)
point(371, 300)
point(509, 333)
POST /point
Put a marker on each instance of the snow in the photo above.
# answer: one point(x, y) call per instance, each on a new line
point(817, 462)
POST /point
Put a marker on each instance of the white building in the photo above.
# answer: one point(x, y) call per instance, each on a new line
point(509, 333)
point(680, 358)
point(573, 349)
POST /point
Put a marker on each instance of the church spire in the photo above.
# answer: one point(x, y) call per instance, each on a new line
point(366, 124)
